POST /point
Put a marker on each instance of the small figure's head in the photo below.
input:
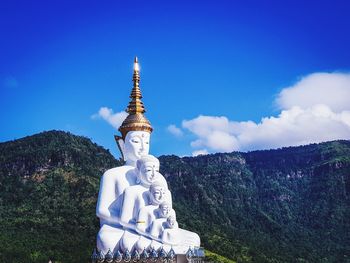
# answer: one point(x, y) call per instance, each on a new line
point(158, 193)
point(171, 221)
point(148, 169)
point(165, 208)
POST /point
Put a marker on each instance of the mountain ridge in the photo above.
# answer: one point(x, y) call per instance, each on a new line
point(281, 205)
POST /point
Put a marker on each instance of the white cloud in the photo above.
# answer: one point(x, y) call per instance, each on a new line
point(212, 132)
point(200, 152)
point(331, 89)
point(175, 130)
point(295, 126)
point(114, 119)
point(315, 109)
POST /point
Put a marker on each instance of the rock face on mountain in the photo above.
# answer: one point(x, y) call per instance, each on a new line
point(286, 205)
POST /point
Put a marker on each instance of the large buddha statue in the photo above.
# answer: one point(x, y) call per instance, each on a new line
point(133, 144)
point(134, 203)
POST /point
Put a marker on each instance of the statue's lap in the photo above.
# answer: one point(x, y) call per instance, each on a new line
point(108, 238)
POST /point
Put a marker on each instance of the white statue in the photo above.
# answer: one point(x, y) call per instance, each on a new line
point(171, 234)
point(138, 196)
point(114, 181)
point(112, 186)
point(146, 217)
point(133, 144)
point(151, 212)
point(160, 224)
point(134, 203)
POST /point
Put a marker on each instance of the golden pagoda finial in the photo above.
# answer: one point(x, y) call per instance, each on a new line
point(136, 105)
point(136, 64)
point(136, 121)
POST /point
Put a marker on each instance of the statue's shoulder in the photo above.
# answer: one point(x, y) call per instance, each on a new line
point(150, 208)
point(117, 171)
point(133, 189)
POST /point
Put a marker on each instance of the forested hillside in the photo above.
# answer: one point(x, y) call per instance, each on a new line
point(48, 190)
point(286, 205)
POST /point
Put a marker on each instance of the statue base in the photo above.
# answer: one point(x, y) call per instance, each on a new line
point(193, 255)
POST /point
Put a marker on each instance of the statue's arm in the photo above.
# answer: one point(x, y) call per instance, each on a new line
point(153, 229)
point(141, 222)
point(106, 197)
point(171, 236)
point(166, 237)
point(156, 230)
point(126, 210)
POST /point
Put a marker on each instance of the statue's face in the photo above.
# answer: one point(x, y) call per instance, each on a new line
point(171, 221)
point(149, 171)
point(158, 194)
point(136, 144)
point(165, 210)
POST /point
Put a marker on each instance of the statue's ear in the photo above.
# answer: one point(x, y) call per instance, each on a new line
point(121, 144)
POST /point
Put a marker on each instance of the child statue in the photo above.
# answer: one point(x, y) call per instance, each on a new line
point(156, 209)
point(138, 196)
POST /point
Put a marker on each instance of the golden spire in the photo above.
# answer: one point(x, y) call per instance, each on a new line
point(136, 105)
point(136, 120)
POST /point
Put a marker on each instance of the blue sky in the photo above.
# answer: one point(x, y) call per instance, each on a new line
point(211, 69)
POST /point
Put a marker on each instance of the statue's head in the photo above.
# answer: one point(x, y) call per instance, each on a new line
point(158, 193)
point(147, 169)
point(135, 145)
point(165, 209)
point(136, 128)
point(171, 221)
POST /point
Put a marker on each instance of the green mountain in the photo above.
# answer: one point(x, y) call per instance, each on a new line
point(48, 190)
point(285, 205)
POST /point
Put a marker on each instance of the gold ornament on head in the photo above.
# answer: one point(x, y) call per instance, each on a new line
point(136, 120)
